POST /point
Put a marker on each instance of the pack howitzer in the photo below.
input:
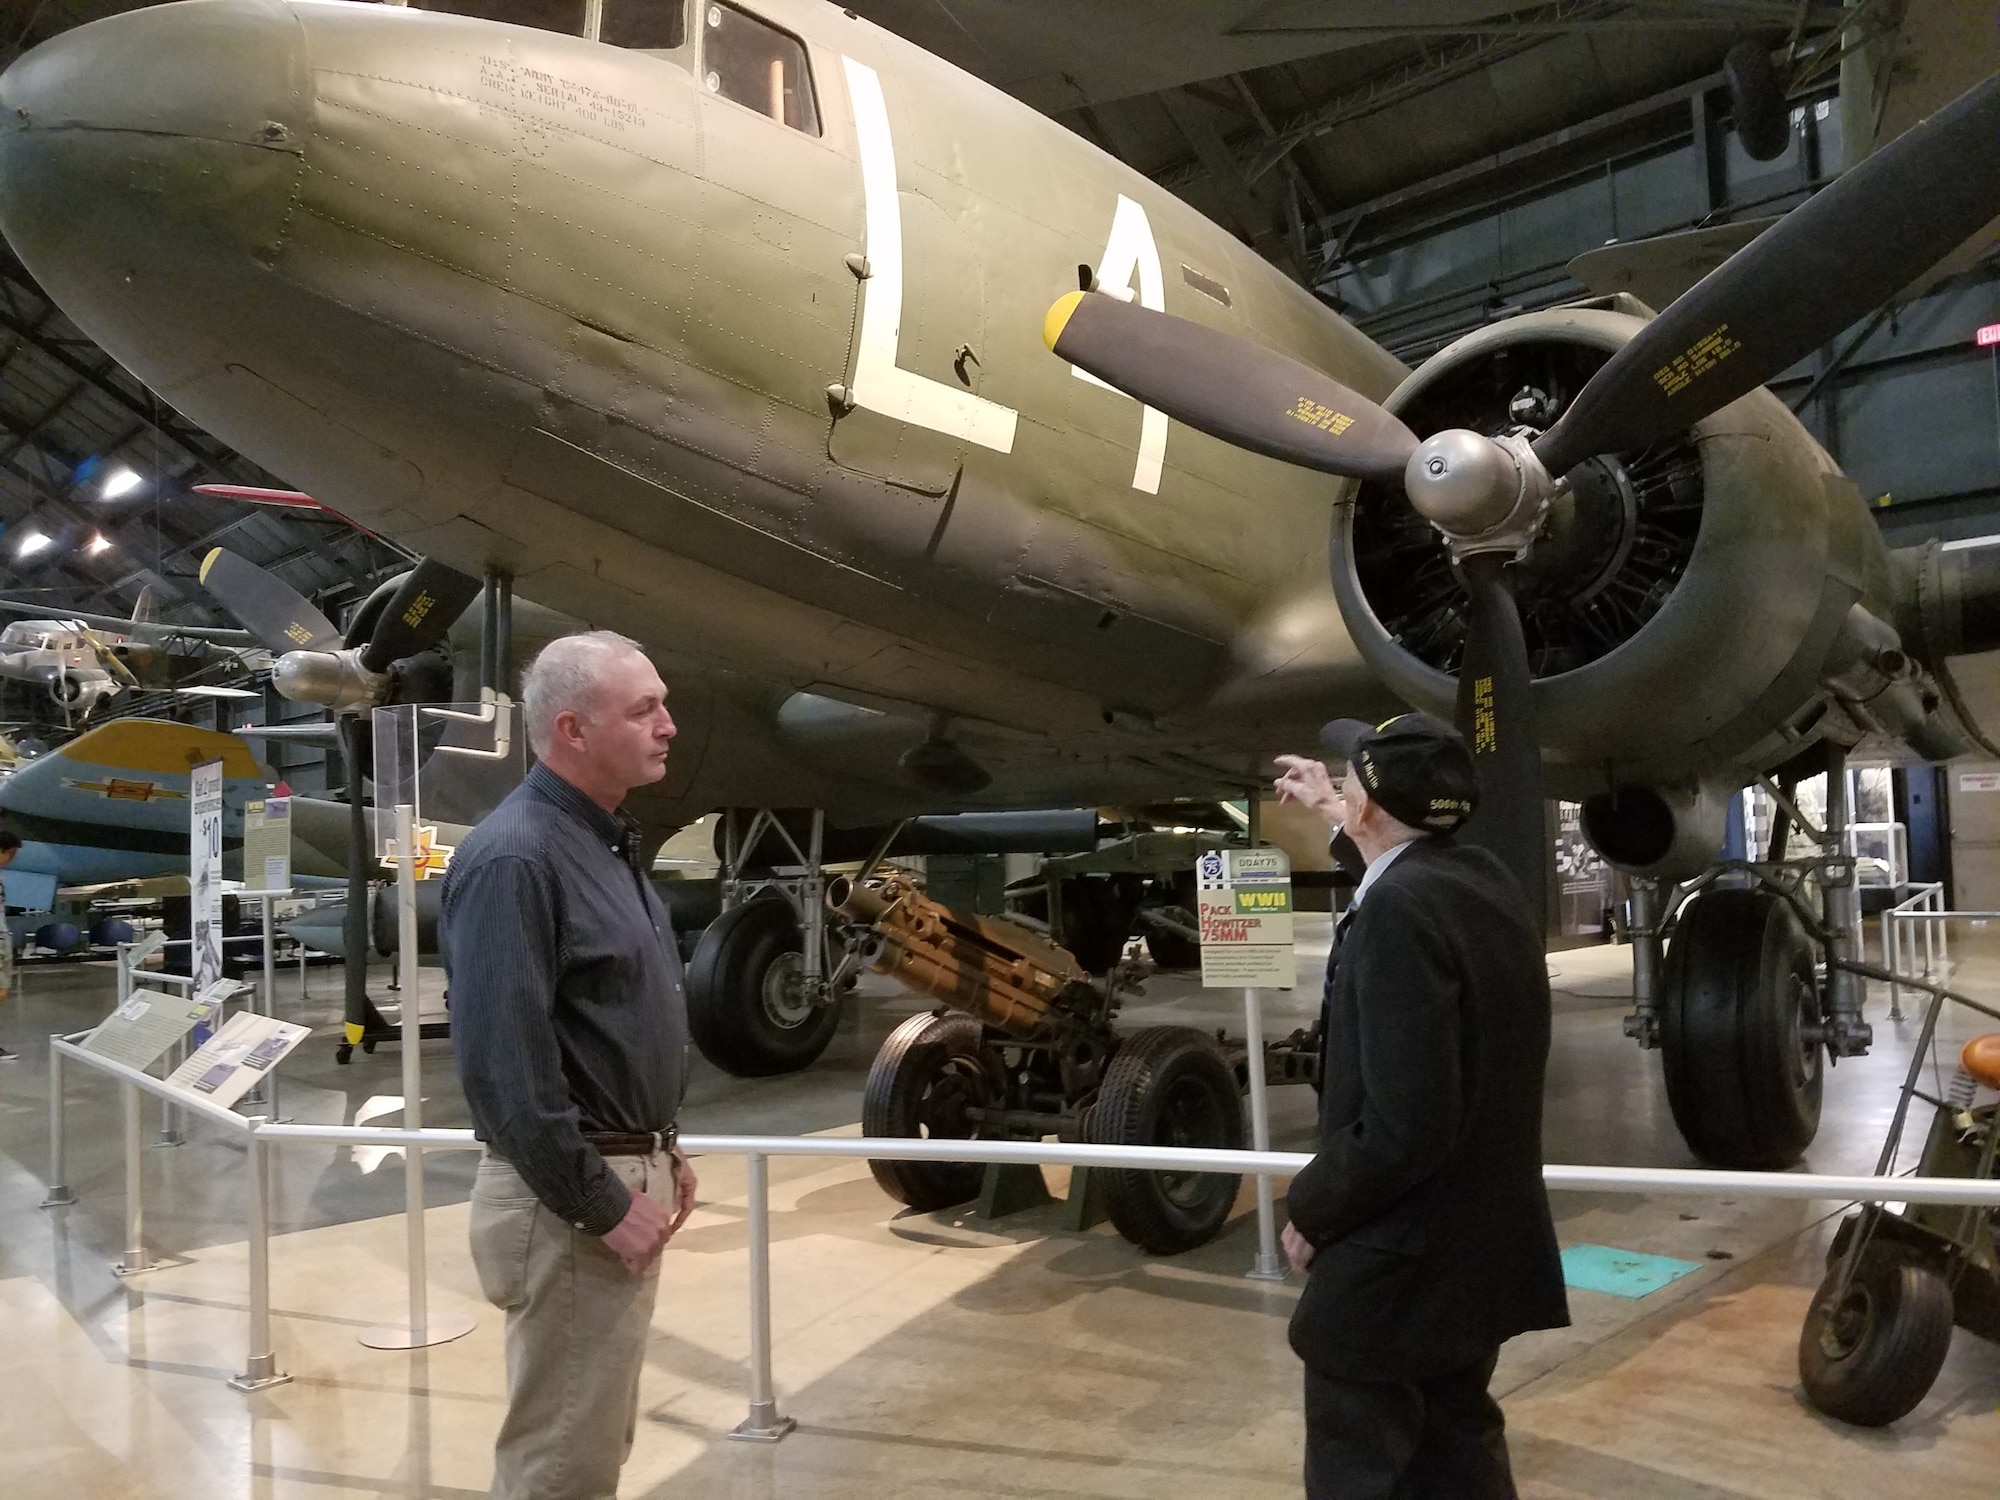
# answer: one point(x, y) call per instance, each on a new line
point(1025, 1049)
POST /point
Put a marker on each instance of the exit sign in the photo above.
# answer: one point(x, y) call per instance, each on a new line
point(1987, 336)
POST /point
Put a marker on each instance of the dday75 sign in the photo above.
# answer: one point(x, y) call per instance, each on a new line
point(1245, 908)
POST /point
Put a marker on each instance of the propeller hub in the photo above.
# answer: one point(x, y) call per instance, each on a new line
point(1483, 494)
point(332, 679)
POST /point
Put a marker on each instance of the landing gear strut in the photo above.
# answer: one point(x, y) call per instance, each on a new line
point(1727, 983)
point(766, 978)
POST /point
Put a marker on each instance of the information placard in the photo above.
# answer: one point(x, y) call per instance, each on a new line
point(1244, 899)
point(205, 870)
point(267, 844)
point(223, 1069)
point(146, 1025)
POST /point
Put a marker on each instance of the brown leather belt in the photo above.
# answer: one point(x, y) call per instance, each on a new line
point(646, 1143)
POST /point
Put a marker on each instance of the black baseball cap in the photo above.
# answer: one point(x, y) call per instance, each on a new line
point(1415, 766)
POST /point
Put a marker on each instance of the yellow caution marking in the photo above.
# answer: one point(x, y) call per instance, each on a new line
point(1703, 355)
point(1319, 414)
point(1059, 316)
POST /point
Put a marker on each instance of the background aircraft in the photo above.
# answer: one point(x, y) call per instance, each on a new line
point(80, 661)
point(734, 343)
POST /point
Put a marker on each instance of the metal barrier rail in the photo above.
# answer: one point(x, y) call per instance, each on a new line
point(765, 1423)
point(1924, 904)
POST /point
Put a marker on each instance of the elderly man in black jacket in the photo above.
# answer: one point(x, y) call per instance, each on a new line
point(1422, 1220)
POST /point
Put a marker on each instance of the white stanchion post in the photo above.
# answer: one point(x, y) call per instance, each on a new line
point(423, 1330)
point(260, 1361)
point(764, 1424)
point(134, 1260)
point(59, 1195)
point(1267, 1266)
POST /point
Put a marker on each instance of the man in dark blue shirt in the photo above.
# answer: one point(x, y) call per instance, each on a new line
point(570, 1024)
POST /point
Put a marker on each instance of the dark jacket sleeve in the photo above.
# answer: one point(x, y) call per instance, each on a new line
point(500, 926)
point(1407, 998)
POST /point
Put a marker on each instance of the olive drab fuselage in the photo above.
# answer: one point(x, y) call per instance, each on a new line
point(755, 374)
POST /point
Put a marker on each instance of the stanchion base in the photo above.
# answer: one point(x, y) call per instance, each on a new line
point(261, 1376)
point(59, 1197)
point(763, 1425)
point(123, 1268)
point(441, 1329)
point(163, 1139)
point(1266, 1268)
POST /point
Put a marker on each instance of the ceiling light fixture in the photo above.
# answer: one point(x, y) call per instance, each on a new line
point(98, 542)
point(120, 481)
point(32, 543)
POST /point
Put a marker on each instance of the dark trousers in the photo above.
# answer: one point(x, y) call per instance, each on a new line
point(1438, 1439)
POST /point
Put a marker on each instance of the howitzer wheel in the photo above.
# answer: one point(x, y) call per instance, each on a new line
point(1168, 1086)
point(927, 1075)
point(1870, 1355)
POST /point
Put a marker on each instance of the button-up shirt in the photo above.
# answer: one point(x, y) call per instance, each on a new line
point(567, 1008)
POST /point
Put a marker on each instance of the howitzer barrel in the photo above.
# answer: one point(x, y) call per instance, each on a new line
point(996, 970)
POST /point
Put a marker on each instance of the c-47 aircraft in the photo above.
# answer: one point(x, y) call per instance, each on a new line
point(733, 338)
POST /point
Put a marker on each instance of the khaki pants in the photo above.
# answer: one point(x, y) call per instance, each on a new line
point(576, 1334)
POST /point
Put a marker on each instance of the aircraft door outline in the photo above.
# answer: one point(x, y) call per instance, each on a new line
point(880, 384)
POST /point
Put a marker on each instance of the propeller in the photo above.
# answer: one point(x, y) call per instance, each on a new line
point(1792, 289)
point(388, 657)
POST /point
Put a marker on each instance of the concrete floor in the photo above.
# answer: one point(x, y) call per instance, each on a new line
point(921, 1354)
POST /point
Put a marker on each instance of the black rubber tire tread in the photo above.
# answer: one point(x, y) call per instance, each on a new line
point(1096, 923)
point(1893, 1362)
point(1757, 101)
point(1726, 1002)
point(1172, 951)
point(909, 1061)
point(1147, 1067)
point(726, 1015)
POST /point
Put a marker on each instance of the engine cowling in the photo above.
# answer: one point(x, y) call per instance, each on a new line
point(1679, 605)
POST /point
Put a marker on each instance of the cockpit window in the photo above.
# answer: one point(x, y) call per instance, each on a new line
point(757, 65)
point(544, 15)
point(644, 25)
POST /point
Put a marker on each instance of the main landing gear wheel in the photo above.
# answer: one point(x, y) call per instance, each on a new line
point(1870, 1356)
point(1739, 1022)
point(924, 1080)
point(1168, 1086)
point(747, 1003)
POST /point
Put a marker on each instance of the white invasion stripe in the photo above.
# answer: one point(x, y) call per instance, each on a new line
point(1966, 544)
point(879, 383)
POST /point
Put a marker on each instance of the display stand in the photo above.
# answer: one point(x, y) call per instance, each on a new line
point(397, 753)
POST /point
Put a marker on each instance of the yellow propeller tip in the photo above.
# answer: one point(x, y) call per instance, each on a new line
point(209, 562)
point(1058, 318)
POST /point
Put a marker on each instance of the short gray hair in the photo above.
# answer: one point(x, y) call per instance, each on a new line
point(563, 678)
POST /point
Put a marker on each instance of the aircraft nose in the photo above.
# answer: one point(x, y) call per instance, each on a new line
point(218, 70)
point(142, 153)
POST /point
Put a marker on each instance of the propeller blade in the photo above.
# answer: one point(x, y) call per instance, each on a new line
point(1496, 714)
point(272, 610)
point(1823, 266)
point(419, 613)
point(1229, 387)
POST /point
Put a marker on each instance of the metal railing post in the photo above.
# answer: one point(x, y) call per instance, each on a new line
point(260, 1361)
point(1267, 1266)
point(59, 1195)
point(134, 1260)
point(764, 1424)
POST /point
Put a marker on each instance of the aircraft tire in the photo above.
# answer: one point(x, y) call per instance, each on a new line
point(922, 1081)
point(1871, 1357)
point(1168, 1086)
point(1738, 1001)
point(743, 1006)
